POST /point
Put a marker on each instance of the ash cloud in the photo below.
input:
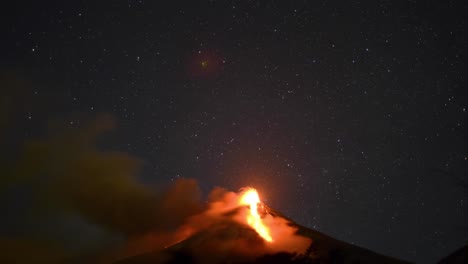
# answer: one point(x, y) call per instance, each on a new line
point(66, 200)
point(64, 175)
point(70, 174)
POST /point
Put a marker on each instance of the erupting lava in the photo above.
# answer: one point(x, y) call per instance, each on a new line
point(250, 198)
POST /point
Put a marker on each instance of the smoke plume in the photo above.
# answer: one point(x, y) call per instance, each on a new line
point(65, 173)
point(66, 199)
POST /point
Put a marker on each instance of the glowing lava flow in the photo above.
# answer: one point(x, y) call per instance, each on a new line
point(250, 198)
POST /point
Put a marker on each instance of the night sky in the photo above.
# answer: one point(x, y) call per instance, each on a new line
point(350, 118)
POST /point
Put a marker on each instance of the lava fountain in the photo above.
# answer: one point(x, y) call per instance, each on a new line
point(250, 198)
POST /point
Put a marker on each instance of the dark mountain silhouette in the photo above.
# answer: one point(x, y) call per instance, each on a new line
point(458, 257)
point(231, 242)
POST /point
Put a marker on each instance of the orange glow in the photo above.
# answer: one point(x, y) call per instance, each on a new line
point(250, 197)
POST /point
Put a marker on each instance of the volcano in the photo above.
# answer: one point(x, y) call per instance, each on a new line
point(252, 232)
point(223, 244)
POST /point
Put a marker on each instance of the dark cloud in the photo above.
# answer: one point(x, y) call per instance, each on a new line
point(65, 173)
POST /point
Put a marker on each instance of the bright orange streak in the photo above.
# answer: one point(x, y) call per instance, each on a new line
point(250, 198)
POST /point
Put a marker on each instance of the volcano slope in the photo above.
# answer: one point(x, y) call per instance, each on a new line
point(229, 241)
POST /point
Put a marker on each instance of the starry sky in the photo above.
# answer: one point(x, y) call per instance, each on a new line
point(348, 117)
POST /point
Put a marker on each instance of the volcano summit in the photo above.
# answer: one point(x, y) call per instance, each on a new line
point(239, 228)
